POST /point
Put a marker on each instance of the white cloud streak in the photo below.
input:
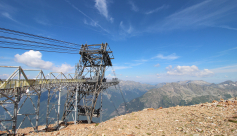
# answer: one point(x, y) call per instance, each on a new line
point(141, 60)
point(34, 59)
point(93, 21)
point(133, 64)
point(169, 57)
point(204, 14)
point(101, 6)
point(157, 65)
point(226, 51)
point(134, 7)
point(226, 69)
point(42, 21)
point(127, 30)
point(228, 27)
point(121, 67)
point(4, 76)
point(110, 76)
point(188, 71)
point(7, 15)
point(157, 9)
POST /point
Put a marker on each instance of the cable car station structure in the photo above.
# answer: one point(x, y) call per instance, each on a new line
point(83, 88)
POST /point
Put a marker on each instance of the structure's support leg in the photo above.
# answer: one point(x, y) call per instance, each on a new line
point(101, 107)
point(14, 119)
point(59, 99)
point(64, 118)
point(78, 103)
point(75, 106)
point(47, 114)
point(17, 93)
point(37, 112)
point(89, 118)
point(93, 107)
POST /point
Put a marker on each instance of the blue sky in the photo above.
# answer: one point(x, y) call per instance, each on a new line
point(153, 41)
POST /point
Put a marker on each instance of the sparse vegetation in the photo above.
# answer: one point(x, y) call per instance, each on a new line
point(227, 96)
point(234, 121)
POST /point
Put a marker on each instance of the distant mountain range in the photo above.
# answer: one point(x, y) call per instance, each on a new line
point(129, 89)
point(180, 93)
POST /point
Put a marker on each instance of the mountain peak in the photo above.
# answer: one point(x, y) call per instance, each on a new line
point(227, 82)
point(199, 82)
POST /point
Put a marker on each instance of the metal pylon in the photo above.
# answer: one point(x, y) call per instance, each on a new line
point(82, 100)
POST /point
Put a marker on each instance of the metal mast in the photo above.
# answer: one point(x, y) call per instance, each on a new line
point(82, 98)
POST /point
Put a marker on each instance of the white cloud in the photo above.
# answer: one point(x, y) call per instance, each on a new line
point(141, 60)
point(226, 51)
point(157, 65)
point(134, 7)
point(204, 14)
point(101, 5)
point(127, 30)
point(42, 21)
point(34, 59)
point(188, 71)
point(7, 15)
point(157, 9)
point(226, 69)
point(138, 77)
point(158, 76)
point(63, 68)
point(228, 27)
point(110, 76)
point(121, 67)
point(4, 76)
point(169, 57)
point(133, 64)
point(92, 23)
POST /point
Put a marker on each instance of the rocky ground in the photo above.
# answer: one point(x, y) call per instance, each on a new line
point(216, 118)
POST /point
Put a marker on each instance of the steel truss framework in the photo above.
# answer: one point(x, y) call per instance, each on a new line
point(83, 88)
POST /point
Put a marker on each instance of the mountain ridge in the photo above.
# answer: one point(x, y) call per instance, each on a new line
point(181, 93)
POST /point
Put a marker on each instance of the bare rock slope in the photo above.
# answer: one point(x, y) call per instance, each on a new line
point(216, 118)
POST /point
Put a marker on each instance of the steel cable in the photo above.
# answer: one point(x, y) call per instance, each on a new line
point(34, 36)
